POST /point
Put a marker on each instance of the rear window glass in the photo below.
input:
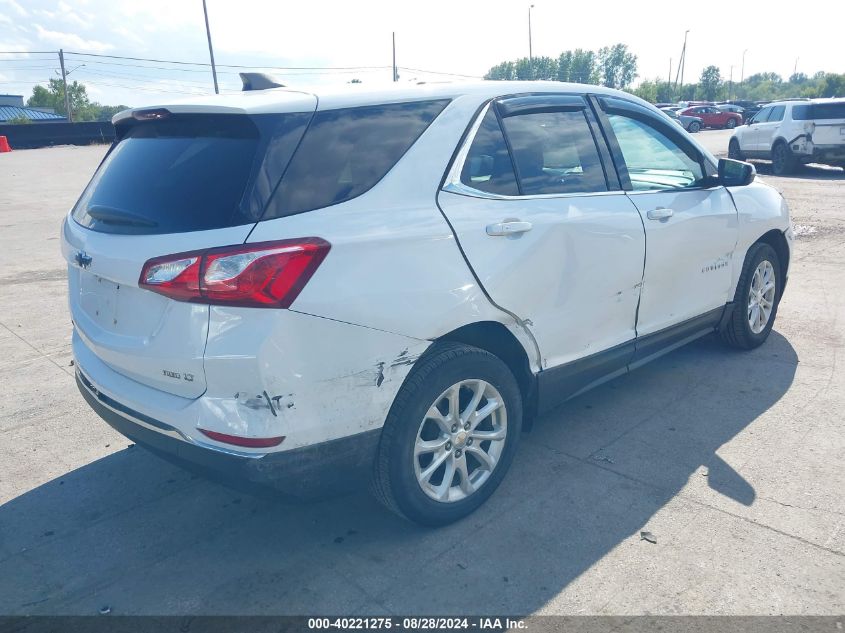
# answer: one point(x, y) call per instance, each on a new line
point(819, 111)
point(555, 153)
point(488, 165)
point(190, 173)
point(347, 151)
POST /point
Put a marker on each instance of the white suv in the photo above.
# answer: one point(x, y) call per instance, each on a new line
point(313, 291)
point(790, 133)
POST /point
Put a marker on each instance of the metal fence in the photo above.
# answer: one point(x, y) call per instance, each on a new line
point(47, 134)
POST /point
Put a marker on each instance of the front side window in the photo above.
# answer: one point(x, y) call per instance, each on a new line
point(762, 116)
point(776, 114)
point(488, 165)
point(654, 160)
point(554, 153)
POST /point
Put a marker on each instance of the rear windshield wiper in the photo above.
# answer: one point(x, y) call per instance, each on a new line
point(111, 215)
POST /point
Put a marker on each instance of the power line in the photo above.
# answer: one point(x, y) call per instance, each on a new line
point(435, 72)
point(184, 63)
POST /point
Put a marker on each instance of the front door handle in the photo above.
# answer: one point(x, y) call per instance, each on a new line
point(660, 213)
point(508, 227)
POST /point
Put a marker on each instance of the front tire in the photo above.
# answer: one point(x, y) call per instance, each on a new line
point(694, 127)
point(756, 299)
point(450, 436)
point(731, 124)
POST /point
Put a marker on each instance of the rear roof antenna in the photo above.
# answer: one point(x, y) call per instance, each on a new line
point(259, 81)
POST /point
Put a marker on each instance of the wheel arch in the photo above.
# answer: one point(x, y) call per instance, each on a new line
point(777, 241)
point(497, 339)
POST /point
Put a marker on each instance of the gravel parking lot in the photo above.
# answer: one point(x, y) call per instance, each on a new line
point(735, 462)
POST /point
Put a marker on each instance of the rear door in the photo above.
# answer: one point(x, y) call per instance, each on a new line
point(690, 226)
point(546, 228)
point(172, 183)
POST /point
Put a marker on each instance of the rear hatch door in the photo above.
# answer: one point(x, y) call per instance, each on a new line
point(828, 122)
point(173, 182)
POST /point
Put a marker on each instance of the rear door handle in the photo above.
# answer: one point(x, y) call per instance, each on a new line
point(661, 213)
point(508, 227)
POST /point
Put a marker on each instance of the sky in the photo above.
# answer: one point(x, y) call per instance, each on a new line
point(462, 37)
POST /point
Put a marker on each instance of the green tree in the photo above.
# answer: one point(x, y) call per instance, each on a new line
point(53, 96)
point(584, 69)
point(564, 66)
point(798, 78)
point(618, 66)
point(710, 82)
point(545, 68)
point(502, 72)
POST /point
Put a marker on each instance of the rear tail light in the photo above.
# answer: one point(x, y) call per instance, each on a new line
point(263, 275)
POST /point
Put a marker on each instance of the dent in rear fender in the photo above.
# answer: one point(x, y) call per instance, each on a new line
point(761, 208)
point(311, 379)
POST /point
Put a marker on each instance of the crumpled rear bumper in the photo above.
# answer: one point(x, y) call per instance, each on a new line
point(326, 468)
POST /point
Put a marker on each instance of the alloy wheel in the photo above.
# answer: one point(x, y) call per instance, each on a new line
point(460, 441)
point(761, 296)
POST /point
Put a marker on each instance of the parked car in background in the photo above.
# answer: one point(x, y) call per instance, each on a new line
point(711, 116)
point(730, 107)
point(312, 289)
point(790, 133)
point(689, 123)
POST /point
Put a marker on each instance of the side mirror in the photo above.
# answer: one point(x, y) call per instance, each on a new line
point(736, 173)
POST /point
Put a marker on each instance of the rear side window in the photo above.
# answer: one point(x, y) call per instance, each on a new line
point(488, 165)
point(818, 111)
point(555, 153)
point(346, 152)
point(800, 112)
point(189, 173)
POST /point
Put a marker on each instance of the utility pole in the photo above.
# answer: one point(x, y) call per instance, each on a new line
point(742, 75)
point(669, 80)
point(682, 64)
point(684, 57)
point(64, 82)
point(731, 84)
point(210, 49)
point(795, 69)
point(530, 46)
point(395, 74)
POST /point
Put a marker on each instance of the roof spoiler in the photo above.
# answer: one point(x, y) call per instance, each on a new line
point(259, 81)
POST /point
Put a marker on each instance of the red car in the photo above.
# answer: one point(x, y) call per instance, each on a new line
point(711, 116)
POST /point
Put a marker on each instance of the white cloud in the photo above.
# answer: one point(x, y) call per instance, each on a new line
point(16, 7)
point(71, 40)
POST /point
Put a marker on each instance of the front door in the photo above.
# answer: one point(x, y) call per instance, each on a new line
point(691, 226)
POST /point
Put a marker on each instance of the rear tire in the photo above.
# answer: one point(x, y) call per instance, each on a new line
point(731, 124)
point(755, 303)
point(694, 127)
point(431, 421)
point(734, 152)
point(783, 162)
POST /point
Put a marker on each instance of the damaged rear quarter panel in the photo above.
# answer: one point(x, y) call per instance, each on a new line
point(311, 379)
